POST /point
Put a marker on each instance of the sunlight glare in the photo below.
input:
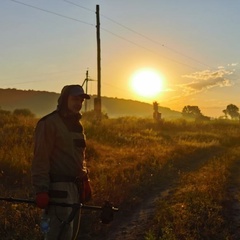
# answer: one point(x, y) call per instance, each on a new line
point(147, 82)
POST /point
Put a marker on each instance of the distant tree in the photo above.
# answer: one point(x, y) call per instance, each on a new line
point(4, 112)
point(232, 110)
point(23, 112)
point(225, 113)
point(191, 112)
point(5, 117)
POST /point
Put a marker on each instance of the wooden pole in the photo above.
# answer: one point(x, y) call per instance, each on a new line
point(98, 100)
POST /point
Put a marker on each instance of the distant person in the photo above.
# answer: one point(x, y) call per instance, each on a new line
point(59, 173)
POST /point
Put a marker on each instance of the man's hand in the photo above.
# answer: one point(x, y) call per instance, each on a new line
point(42, 199)
point(87, 190)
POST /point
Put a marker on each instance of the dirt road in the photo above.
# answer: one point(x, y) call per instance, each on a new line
point(233, 204)
point(133, 222)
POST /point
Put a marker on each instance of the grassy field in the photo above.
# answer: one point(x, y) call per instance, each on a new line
point(127, 158)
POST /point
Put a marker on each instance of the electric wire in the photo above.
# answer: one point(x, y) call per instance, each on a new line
point(181, 63)
point(110, 32)
point(116, 35)
point(141, 35)
point(157, 42)
point(75, 4)
point(51, 12)
point(31, 76)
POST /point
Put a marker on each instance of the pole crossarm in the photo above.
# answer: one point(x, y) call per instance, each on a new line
point(87, 80)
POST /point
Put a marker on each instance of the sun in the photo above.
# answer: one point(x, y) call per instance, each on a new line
point(147, 82)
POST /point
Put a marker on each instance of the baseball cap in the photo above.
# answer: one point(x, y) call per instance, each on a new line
point(77, 90)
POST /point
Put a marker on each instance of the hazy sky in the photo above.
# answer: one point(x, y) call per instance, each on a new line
point(194, 45)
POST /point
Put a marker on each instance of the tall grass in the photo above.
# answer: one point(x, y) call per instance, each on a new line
point(195, 210)
point(16, 150)
point(127, 157)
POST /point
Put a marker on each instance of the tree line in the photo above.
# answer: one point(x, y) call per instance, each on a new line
point(193, 112)
point(17, 112)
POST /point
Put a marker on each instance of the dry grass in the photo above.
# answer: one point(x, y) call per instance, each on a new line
point(126, 157)
point(195, 210)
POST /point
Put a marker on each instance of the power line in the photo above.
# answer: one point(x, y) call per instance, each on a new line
point(140, 34)
point(116, 35)
point(88, 9)
point(51, 12)
point(31, 76)
point(120, 37)
point(154, 41)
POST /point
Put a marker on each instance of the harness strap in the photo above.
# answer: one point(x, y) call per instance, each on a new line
point(64, 178)
point(78, 181)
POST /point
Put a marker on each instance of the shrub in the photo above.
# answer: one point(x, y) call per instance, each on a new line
point(23, 112)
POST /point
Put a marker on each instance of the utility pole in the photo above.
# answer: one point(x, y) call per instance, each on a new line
point(86, 80)
point(97, 101)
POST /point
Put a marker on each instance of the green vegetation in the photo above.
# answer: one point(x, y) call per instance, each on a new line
point(128, 157)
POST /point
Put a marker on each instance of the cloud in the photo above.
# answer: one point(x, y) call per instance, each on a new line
point(205, 80)
point(233, 64)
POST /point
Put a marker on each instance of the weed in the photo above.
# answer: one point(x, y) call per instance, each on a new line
point(127, 157)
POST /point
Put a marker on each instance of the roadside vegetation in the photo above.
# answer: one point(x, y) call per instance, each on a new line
point(127, 158)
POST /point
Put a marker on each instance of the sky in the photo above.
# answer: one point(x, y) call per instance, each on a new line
point(193, 45)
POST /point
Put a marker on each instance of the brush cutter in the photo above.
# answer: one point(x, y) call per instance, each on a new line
point(106, 216)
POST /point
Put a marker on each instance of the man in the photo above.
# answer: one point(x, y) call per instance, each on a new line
point(59, 173)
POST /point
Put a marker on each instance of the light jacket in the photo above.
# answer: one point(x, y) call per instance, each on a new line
point(58, 151)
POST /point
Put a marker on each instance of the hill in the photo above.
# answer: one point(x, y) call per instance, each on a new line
point(43, 102)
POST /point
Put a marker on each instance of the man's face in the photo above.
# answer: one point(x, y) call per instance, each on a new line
point(75, 103)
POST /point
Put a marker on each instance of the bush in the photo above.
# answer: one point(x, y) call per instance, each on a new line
point(23, 112)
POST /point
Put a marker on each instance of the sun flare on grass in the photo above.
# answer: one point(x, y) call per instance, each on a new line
point(147, 82)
